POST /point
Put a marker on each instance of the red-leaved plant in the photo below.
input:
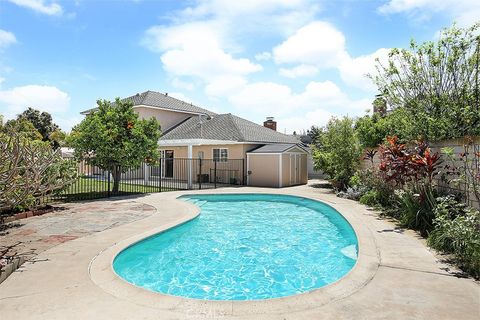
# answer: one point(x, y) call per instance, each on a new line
point(400, 165)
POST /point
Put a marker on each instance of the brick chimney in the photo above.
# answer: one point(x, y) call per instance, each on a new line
point(270, 123)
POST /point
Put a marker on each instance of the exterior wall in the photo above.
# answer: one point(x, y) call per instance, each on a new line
point(264, 170)
point(235, 168)
point(166, 118)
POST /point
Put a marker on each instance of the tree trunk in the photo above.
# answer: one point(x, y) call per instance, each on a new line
point(117, 174)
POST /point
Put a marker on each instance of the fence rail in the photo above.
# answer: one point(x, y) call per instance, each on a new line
point(167, 174)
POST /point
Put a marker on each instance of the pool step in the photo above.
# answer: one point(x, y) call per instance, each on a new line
point(350, 252)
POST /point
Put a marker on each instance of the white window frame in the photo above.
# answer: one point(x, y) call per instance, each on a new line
point(221, 158)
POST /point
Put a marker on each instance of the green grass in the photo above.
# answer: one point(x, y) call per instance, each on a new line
point(87, 188)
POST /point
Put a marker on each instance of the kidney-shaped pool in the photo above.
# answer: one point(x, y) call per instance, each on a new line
point(244, 247)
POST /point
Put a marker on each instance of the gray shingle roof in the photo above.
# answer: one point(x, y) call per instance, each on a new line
point(275, 148)
point(160, 100)
point(226, 127)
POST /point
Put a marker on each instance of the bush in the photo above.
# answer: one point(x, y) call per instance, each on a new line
point(370, 198)
point(338, 154)
point(30, 170)
point(457, 231)
point(416, 208)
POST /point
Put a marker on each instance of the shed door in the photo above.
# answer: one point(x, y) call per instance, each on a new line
point(295, 168)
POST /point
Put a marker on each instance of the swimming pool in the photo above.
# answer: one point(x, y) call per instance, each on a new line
point(244, 247)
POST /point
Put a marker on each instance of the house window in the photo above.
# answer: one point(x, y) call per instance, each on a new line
point(220, 155)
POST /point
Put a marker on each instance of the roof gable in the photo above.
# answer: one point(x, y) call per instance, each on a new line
point(162, 101)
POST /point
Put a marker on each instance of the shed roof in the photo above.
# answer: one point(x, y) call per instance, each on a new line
point(277, 148)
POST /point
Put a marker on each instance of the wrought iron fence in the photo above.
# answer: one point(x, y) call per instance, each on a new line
point(167, 174)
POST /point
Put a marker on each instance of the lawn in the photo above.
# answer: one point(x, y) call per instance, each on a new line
point(88, 188)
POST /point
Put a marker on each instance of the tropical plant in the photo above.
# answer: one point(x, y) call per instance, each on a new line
point(30, 170)
point(338, 153)
point(113, 138)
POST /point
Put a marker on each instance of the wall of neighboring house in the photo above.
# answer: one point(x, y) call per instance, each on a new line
point(166, 118)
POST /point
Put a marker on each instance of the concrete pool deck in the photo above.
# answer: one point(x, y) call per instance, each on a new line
point(396, 276)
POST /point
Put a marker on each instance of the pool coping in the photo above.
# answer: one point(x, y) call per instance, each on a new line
point(102, 274)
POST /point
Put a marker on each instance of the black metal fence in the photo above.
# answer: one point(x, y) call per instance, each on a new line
point(167, 174)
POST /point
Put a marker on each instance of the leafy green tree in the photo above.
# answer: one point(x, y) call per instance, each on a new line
point(22, 127)
point(339, 152)
point(42, 121)
point(437, 82)
point(113, 138)
point(314, 133)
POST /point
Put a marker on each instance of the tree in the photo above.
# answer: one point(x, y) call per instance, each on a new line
point(22, 127)
point(113, 138)
point(339, 153)
point(30, 170)
point(437, 83)
point(314, 133)
point(43, 122)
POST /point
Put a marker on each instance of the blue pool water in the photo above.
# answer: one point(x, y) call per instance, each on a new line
point(244, 247)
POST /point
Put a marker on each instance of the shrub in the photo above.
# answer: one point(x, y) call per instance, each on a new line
point(30, 170)
point(370, 198)
point(457, 231)
point(415, 208)
point(338, 154)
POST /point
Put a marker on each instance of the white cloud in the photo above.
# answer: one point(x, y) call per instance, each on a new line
point(194, 49)
point(6, 38)
point(225, 85)
point(353, 71)
point(465, 12)
point(318, 117)
point(317, 43)
point(296, 111)
point(49, 8)
point(302, 70)
point(45, 98)
point(273, 16)
point(279, 100)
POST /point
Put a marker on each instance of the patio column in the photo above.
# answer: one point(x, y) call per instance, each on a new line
point(190, 160)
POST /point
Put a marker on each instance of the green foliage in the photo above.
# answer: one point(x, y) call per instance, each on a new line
point(370, 198)
point(415, 208)
point(457, 231)
point(43, 123)
point(22, 127)
point(437, 85)
point(315, 134)
point(338, 153)
point(113, 138)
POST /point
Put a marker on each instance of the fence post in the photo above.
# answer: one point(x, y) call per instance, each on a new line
point(200, 173)
point(160, 175)
point(215, 174)
point(243, 172)
point(108, 185)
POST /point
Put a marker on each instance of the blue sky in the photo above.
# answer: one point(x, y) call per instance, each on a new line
point(300, 61)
